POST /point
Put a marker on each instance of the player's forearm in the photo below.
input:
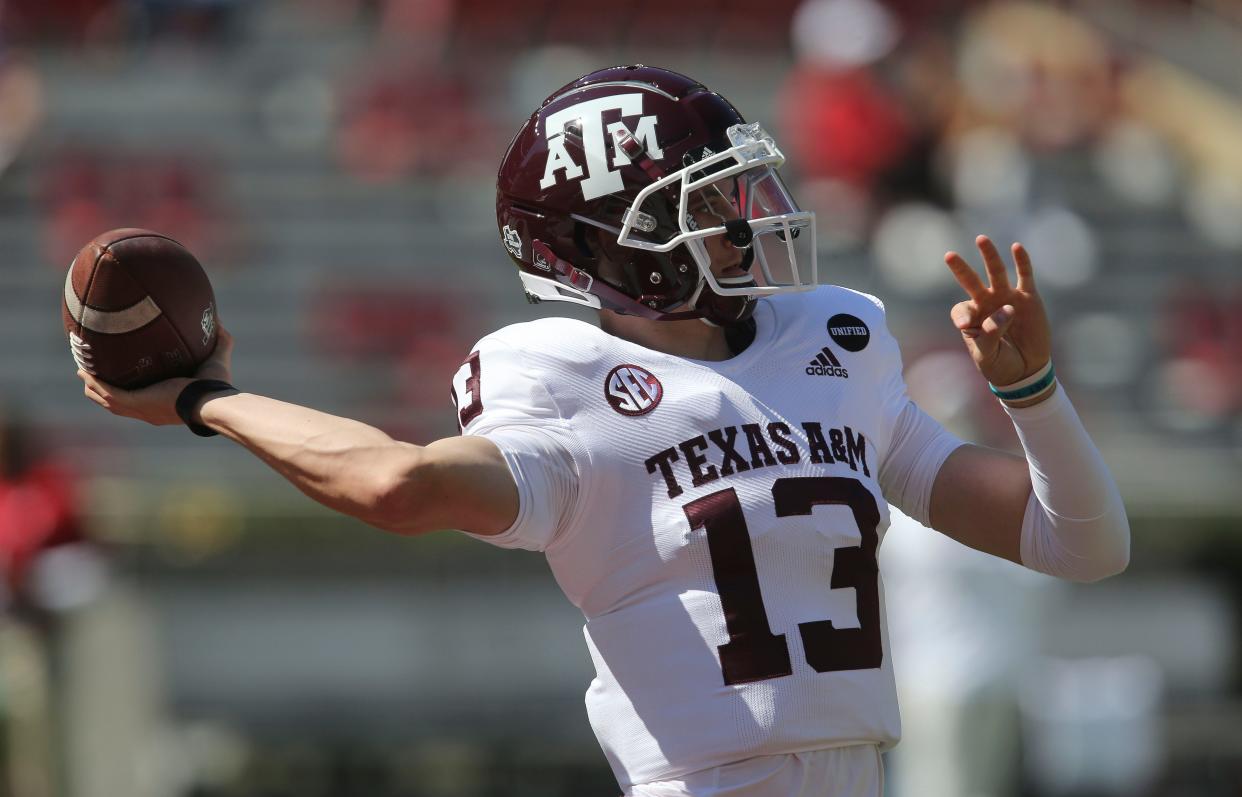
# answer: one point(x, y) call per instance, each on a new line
point(343, 464)
point(1075, 523)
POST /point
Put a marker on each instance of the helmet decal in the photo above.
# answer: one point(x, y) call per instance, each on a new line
point(602, 177)
point(512, 241)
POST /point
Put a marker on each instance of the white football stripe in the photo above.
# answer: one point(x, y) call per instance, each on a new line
point(109, 322)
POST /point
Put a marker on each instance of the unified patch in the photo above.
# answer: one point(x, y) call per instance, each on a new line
point(849, 332)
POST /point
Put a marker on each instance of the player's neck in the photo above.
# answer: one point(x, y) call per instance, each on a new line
point(691, 338)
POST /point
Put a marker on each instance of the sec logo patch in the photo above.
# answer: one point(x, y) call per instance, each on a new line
point(632, 390)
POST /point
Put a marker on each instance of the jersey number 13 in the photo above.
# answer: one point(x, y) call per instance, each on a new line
point(753, 652)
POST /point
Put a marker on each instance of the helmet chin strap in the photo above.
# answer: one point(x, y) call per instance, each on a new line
point(610, 298)
point(704, 304)
point(723, 311)
point(694, 298)
point(719, 311)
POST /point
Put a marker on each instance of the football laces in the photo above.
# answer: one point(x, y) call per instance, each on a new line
point(81, 351)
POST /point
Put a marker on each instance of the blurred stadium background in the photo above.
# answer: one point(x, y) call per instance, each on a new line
point(178, 621)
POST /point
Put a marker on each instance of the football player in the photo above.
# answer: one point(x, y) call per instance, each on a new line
point(708, 471)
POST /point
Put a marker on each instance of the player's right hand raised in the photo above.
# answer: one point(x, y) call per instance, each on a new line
point(1004, 327)
point(156, 404)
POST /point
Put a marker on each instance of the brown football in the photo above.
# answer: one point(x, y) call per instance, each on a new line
point(138, 308)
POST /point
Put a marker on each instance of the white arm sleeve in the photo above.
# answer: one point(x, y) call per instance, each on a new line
point(1075, 525)
point(918, 448)
point(546, 476)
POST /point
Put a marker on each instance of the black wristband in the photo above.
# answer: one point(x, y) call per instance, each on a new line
point(191, 395)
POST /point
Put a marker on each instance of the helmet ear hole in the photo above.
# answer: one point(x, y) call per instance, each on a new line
point(611, 257)
point(580, 241)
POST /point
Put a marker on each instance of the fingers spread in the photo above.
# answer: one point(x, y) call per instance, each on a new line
point(998, 322)
point(965, 315)
point(1022, 260)
point(997, 276)
point(964, 274)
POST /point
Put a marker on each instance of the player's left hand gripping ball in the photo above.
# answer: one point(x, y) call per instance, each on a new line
point(141, 318)
point(1004, 327)
point(157, 404)
point(138, 309)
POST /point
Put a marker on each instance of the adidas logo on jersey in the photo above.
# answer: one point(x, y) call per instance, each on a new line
point(826, 364)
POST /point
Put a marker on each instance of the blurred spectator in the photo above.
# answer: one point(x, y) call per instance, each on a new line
point(113, 22)
point(46, 566)
point(841, 121)
point(186, 21)
point(1138, 163)
point(38, 507)
point(21, 98)
point(74, 206)
point(1037, 69)
point(55, 20)
point(856, 142)
point(408, 118)
point(87, 193)
point(419, 329)
point(1201, 381)
point(368, 323)
point(488, 26)
point(417, 24)
point(492, 28)
point(843, 124)
point(170, 196)
point(1201, 123)
point(924, 78)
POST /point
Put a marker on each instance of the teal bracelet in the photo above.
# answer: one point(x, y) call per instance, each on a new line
point(1026, 392)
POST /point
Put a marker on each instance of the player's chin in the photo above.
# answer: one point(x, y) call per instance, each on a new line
point(735, 280)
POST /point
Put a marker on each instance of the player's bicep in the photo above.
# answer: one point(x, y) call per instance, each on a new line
point(917, 449)
point(543, 463)
point(458, 483)
point(979, 498)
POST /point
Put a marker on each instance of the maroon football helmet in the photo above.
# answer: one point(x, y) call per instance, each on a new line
point(611, 193)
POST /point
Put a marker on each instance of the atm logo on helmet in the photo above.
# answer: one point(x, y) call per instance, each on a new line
point(602, 175)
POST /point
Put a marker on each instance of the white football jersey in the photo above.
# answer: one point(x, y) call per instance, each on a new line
point(716, 522)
